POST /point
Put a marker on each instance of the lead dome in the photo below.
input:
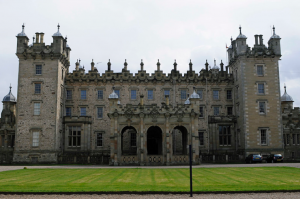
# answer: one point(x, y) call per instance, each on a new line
point(57, 34)
point(22, 34)
point(9, 97)
point(286, 97)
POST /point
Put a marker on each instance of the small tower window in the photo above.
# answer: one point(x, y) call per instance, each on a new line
point(37, 88)
point(38, 69)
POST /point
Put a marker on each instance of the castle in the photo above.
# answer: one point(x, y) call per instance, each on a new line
point(142, 118)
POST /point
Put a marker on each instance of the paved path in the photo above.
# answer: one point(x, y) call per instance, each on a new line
point(7, 168)
point(278, 195)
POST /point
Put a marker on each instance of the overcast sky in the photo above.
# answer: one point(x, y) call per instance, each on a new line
point(151, 30)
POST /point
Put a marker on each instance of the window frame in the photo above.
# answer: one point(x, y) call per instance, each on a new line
point(100, 108)
point(227, 110)
point(69, 94)
point(229, 94)
point(258, 71)
point(225, 137)
point(36, 110)
point(133, 93)
point(261, 89)
point(37, 90)
point(36, 69)
point(148, 94)
point(35, 139)
point(201, 115)
point(81, 111)
point(76, 137)
point(99, 139)
point(169, 93)
point(183, 94)
point(100, 94)
point(263, 139)
point(83, 94)
point(201, 138)
point(133, 139)
point(216, 108)
point(260, 108)
point(70, 108)
point(216, 97)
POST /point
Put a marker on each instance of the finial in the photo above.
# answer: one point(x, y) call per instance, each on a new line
point(33, 38)
point(125, 63)
point(58, 26)
point(284, 88)
point(175, 65)
point(231, 39)
point(273, 30)
point(240, 29)
point(215, 61)
point(158, 62)
point(79, 60)
point(10, 87)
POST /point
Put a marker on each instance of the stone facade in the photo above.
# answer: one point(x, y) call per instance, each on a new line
point(148, 119)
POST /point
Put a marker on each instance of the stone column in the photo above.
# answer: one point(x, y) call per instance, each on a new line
point(168, 138)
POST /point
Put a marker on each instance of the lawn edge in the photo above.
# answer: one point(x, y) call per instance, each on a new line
point(144, 192)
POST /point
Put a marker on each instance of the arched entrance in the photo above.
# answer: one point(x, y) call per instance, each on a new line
point(129, 141)
point(154, 141)
point(180, 138)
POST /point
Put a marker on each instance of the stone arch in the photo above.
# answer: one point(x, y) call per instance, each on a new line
point(154, 140)
point(180, 140)
point(129, 140)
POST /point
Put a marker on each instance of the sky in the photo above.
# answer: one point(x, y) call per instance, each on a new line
point(151, 30)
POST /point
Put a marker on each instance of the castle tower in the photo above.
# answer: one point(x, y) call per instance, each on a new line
point(257, 97)
point(7, 127)
point(286, 101)
point(42, 71)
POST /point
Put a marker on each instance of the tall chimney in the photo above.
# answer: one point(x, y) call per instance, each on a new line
point(256, 39)
point(92, 65)
point(42, 37)
point(37, 36)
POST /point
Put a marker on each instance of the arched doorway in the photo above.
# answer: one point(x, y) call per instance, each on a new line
point(179, 139)
point(154, 141)
point(129, 141)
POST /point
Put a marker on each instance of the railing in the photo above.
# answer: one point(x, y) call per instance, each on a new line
point(155, 159)
point(180, 159)
point(220, 158)
point(83, 159)
point(129, 159)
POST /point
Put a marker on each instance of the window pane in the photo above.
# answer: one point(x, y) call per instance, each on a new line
point(216, 95)
point(216, 111)
point(200, 93)
point(263, 136)
point(83, 94)
point(68, 111)
point(38, 69)
point(100, 112)
point(150, 94)
point(36, 108)
point(167, 92)
point(183, 94)
point(69, 94)
point(133, 139)
point(261, 107)
point(99, 139)
point(35, 139)
point(133, 94)
point(100, 94)
point(229, 110)
point(229, 95)
point(201, 112)
point(201, 138)
point(37, 88)
point(260, 70)
point(117, 92)
point(261, 88)
point(82, 111)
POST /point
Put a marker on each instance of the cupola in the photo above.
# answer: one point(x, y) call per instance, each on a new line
point(9, 97)
point(286, 97)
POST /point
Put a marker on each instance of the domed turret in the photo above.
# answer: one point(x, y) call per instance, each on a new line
point(22, 34)
point(241, 36)
point(286, 97)
point(9, 97)
point(274, 36)
point(57, 34)
point(215, 66)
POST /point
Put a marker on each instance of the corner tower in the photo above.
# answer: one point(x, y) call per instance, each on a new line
point(257, 95)
point(42, 71)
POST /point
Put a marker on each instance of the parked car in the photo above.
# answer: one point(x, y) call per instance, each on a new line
point(275, 158)
point(253, 158)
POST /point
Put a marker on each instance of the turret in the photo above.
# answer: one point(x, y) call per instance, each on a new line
point(286, 100)
point(22, 40)
point(241, 43)
point(274, 43)
point(58, 41)
point(8, 113)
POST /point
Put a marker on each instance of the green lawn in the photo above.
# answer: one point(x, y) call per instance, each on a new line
point(204, 179)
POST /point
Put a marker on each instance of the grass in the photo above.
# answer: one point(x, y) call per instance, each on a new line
point(175, 180)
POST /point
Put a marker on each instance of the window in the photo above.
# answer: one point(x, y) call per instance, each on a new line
point(118, 93)
point(201, 138)
point(215, 95)
point(38, 69)
point(100, 94)
point(166, 92)
point(37, 88)
point(62, 74)
point(83, 111)
point(68, 111)
point(201, 110)
point(83, 94)
point(200, 93)
point(74, 136)
point(133, 139)
point(99, 112)
point(298, 138)
point(224, 136)
point(2, 140)
point(261, 89)
point(216, 110)
point(263, 136)
point(99, 139)
point(183, 94)
point(260, 70)
point(133, 94)
point(262, 107)
point(11, 141)
point(69, 94)
point(35, 139)
point(287, 139)
point(150, 94)
point(36, 108)
point(229, 94)
point(229, 110)
point(294, 139)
